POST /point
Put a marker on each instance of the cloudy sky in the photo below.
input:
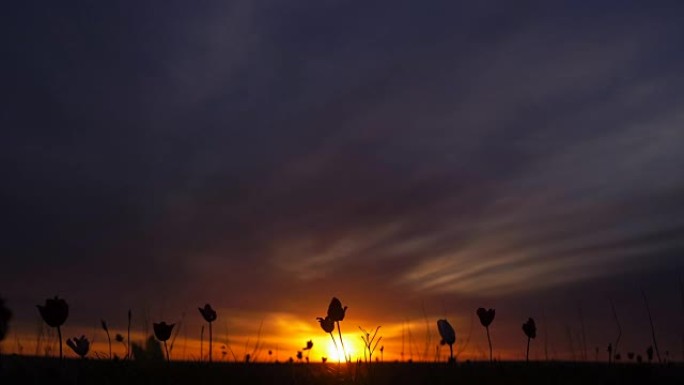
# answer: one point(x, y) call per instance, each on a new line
point(416, 159)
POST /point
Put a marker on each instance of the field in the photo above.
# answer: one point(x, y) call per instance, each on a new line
point(28, 370)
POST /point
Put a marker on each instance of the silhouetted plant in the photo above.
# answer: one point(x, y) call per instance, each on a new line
point(54, 313)
point(486, 318)
point(163, 332)
point(649, 354)
point(530, 330)
point(120, 339)
point(618, 357)
point(630, 355)
point(80, 346)
point(369, 341)
point(650, 320)
point(128, 340)
point(639, 358)
point(299, 356)
point(610, 352)
point(448, 335)
point(336, 313)
point(5, 317)
point(328, 326)
point(382, 353)
point(308, 347)
point(106, 329)
point(150, 351)
point(324, 359)
point(209, 315)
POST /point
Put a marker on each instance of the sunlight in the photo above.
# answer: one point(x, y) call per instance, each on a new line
point(336, 355)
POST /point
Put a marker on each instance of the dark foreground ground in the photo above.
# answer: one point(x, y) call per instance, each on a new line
point(28, 370)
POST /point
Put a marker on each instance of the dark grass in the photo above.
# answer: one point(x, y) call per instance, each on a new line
point(31, 370)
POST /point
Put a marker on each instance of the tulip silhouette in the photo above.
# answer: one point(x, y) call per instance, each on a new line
point(5, 316)
point(80, 346)
point(209, 315)
point(54, 313)
point(486, 318)
point(530, 330)
point(163, 332)
point(328, 326)
point(109, 339)
point(448, 336)
point(336, 313)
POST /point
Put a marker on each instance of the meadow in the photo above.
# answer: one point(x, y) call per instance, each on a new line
point(34, 370)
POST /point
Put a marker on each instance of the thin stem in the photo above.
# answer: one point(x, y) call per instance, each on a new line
point(527, 355)
point(110, 344)
point(342, 341)
point(59, 333)
point(451, 353)
point(166, 347)
point(128, 344)
point(202, 344)
point(210, 341)
point(336, 348)
point(650, 320)
point(491, 359)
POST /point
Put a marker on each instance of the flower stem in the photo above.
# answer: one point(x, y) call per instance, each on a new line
point(210, 341)
point(342, 341)
point(336, 348)
point(109, 339)
point(491, 359)
point(451, 353)
point(527, 355)
point(59, 334)
point(166, 347)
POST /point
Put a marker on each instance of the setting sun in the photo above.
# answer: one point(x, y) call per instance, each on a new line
point(334, 353)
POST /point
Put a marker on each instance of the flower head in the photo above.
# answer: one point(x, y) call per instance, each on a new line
point(119, 338)
point(162, 331)
point(446, 332)
point(80, 346)
point(309, 345)
point(530, 328)
point(486, 316)
point(5, 316)
point(208, 313)
point(327, 324)
point(335, 310)
point(104, 325)
point(54, 312)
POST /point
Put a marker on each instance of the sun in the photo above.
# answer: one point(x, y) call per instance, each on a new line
point(335, 354)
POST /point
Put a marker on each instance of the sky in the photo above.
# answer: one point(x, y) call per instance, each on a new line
point(417, 160)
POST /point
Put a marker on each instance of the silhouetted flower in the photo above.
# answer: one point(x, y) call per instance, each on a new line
point(335, 310)
point(448, 336)
point(530, 328)
point(639, 359)
point(119, 338)
point(5, 316)
point(299, 355)
point(54, 312)
point(618, 357)
point(80, 346)
point(109, 339)
point(208, 313)
point(162, 331)
point(324, 359)
point(630, 355)
point(649, 353)
point(446, 332)
point(327, 324)
point(309, 345)
point(486, 316)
